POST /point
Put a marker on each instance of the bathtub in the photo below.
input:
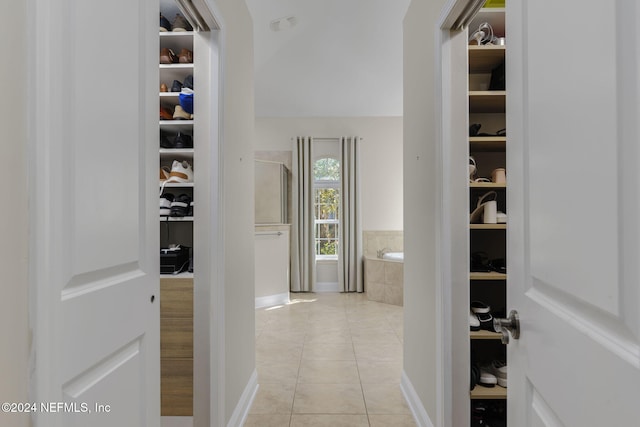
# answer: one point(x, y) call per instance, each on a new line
point(384, 278)
point(394, 256)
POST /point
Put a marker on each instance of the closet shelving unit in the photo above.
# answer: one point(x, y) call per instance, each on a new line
point(176, 290)
point(488, 108)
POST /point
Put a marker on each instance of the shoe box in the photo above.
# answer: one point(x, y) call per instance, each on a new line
point(174, 260)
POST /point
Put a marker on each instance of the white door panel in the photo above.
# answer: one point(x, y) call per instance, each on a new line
point(95, 219)
point(572, 123)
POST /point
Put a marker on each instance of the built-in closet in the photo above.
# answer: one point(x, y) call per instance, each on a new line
point(488, 219)
point(188, 144)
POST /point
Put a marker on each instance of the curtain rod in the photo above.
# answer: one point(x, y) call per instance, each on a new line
point(325, 138)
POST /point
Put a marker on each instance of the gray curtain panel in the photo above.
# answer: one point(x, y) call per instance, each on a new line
point(350, 248)
point(303, 263)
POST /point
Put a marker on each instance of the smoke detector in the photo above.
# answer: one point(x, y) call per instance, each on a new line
point(284, 23)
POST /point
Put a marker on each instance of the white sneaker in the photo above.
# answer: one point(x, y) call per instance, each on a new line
point(474, 322)
point(487, 379)
point(165, 204)
point(499, 370)
point(180, 172)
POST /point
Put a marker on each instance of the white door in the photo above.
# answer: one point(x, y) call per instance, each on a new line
point(574, 212)
point(94, 212)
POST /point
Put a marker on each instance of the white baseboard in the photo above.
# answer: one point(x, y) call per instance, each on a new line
point(176, 421)
point(271, 300)
point(327, 287)
point(415, 405)
point(239, 415)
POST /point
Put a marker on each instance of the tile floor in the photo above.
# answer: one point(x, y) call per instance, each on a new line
point(329, 359)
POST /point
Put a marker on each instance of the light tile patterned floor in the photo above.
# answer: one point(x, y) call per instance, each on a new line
point(329, 359)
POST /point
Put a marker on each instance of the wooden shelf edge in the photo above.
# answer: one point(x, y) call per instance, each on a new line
point(486, 185)
point(496, 93)
point(472, 138)
point(487, 47)
point(487, 276)
point(184, 275)
point(488, 226)
point(480, 392)
point(484, 335)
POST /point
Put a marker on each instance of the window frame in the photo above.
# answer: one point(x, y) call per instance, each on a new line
point(326, 184)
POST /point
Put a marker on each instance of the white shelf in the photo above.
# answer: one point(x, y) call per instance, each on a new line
point(176, 67)
point(178, 185)
point(169, 94)
point(177, 125)
point(183, 275)
point(176, 151)
point(177, 34)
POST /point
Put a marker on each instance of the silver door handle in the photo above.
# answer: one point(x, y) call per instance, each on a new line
point(510, 324)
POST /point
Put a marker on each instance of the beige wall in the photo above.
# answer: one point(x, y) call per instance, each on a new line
point(381, 158)
point(238, 137)
point(420, 166)
point(14, 351)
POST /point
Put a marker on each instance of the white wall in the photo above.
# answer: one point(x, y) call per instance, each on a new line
point(381, 158)
point(238, 138)
point(14, 351)
point(420, 165)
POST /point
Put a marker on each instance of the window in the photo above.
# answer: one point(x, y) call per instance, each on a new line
point(326, 187)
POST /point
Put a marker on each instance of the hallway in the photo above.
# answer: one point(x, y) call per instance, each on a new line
point(329, 359)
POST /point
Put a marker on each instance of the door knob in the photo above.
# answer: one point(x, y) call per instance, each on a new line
point(510, 324)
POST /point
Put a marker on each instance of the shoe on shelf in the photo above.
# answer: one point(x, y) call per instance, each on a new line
point(165, 114)
point(185, 56)
point(167, 56)
point(164, 88)
point(483, 312)
point(183, 140)
point(165, 204)
point(176, 86)
point(188, 82)
point(180, 24)
point(181, 171)
point(180, 114)
point(498, 369)
point(474, 323)
point(165, 140)
point(190, 213)
point(487, 379)
point(165, 25)
point(186, 100)
point(165, 174)
point(180, 205)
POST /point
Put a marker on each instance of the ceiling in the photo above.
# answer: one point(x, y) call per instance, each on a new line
point(341, 58)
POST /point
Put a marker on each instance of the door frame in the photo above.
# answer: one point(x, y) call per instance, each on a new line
point(452, 236)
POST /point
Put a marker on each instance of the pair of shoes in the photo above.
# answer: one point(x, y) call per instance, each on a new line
point(180, 140)
point(480, 263)
point(498, 369)
point(475, 128)
point(483, 313)
point(180, 24)
point(178, 114)
point(181, 171)
point(180, 205)
point(178, 86)
point(486, 210)
point(168, 56)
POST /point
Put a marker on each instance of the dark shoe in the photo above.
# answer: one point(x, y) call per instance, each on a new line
point(190, 213)
point(165, 25)
point(181, 24)
point(180, 205)
point(182, 141)
point(165, 140)
point(188, 82)
point(167, 56)
point(176, 86)
point(185, 56)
